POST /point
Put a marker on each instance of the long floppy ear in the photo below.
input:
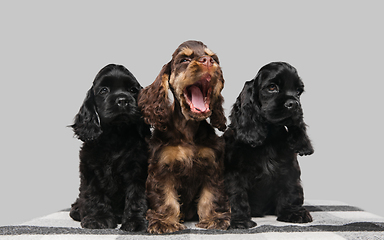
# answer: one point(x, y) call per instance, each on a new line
point(245, 119)
point(217, 118)
point(298, 139)
point(86, 124)
point(154, 102)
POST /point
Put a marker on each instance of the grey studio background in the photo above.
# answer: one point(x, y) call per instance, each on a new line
point(50, 52)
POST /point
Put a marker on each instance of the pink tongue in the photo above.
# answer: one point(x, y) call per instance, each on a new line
point(197, 98)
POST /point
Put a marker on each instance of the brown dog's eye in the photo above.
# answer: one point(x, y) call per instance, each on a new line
point(184, 60)
point(214, 57)
point(273, 88)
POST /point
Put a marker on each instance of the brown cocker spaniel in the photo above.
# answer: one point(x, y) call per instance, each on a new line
point(186, 156)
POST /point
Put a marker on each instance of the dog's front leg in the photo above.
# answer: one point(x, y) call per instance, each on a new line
point(290, 199)
point(291, 212)
point(97, 214)
point(164, 213)
point(213, 207)
point(238, 198)
point(135, 207)
point(93, 208)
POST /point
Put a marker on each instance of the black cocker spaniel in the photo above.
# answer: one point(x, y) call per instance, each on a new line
point(266, 133)
point(113, 158)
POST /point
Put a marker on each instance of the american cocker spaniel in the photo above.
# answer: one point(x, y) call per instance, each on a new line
point(113, 157)
point(185, 174)
point(266, 133)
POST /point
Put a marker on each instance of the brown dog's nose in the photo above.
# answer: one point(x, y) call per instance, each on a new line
point(206, 61)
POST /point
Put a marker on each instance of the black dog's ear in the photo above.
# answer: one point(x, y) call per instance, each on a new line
point(245, 118)
point(87, 124)
point(298, 139)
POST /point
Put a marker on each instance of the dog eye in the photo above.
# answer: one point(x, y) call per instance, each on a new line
point(214, 57)
point(103, 91)
point(185, 60)
point(299, 91)
point(273, 88)
point(133, 90)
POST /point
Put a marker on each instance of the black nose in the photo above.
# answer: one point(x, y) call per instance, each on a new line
point(122, 101)
point(292, 104)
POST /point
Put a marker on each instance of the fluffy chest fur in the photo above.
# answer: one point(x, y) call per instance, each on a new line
point(187, 154)
point(269, 161)
point(113, 158)
point(183, 163)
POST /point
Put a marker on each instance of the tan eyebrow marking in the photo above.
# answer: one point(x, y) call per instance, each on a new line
point(209, 52)
point(186, 51)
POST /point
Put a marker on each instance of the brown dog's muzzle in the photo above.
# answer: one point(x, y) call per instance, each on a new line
point(198, 94)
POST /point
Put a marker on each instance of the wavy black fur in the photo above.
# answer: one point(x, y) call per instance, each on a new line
point(266, 133)
point(113, 158)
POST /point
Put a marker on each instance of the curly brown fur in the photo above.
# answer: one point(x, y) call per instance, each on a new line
point(113, 158)
point(266, 133)
point(185, 176)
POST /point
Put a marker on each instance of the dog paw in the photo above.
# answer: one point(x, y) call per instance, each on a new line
point(134, 225)
point(75, 214)
point(98, 223)
point(75, 211)
point(242, 224)
point(299, 216)
point(221, 224)
point(160, 227)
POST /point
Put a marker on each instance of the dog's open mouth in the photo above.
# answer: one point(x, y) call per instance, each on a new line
point(198, 95)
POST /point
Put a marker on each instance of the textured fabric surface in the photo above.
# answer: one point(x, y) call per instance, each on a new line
point(332, 220)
